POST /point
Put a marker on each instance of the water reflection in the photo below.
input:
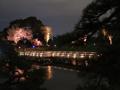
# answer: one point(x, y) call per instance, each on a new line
point(62, 78)
point(22, 79)
point(49, 72)
point(39, 77)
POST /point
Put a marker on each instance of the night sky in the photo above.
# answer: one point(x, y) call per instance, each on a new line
point(62, 15)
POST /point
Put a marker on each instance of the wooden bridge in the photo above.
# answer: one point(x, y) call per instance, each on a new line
point(58, 54)
point(59, 58)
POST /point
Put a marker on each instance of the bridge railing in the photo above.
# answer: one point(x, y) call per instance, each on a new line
point(60, 54)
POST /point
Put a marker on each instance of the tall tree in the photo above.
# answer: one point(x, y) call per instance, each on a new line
point(98, 15)
point(103, 16)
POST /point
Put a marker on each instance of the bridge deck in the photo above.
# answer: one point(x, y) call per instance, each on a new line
point(59, 54)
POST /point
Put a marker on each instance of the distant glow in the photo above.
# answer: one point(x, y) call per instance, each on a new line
point(86, 63)
point(36, 42)
point(110, 39)
point(37, 54)
point(90, 56)
point(57, 54)
point(53, 54)
point(74, 62)
point(85, 39)
point(33, 54)
point(54, 45)
point(47, 37)
point(41, 54)
point(21, 53)
point(68, 55)
point(104, 32)
point(107, 34)
point(47, 31)
point(74, 55)
point(35, 66)
point(33, 46)
point(22, 79)
point(82, 56)
point(18, 71)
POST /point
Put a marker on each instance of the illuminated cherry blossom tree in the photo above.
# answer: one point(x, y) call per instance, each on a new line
point(15, 34)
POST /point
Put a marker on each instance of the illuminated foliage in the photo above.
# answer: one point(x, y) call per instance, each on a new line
point(16, 34)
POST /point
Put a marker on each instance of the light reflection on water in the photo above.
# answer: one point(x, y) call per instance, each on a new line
point(59, 78)
point(49, 72)
point(52, 78)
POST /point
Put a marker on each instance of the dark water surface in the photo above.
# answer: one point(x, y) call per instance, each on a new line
point(61, 79)
point(48, 78)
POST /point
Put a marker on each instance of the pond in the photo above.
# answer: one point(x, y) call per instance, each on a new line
point(61, 78)
point(47, 78)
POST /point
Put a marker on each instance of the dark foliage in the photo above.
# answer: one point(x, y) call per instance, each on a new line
point(96, 15)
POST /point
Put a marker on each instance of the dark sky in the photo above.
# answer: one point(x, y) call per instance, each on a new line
point(62, 15)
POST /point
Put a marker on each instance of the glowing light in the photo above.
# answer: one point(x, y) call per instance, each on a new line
point(49, 72)
point(74, 55)
point(47, 37)
point(37, 54)
point(33, 54)
point(85, 38)
point(16, 34)
point(18, 71)
point(110, 39)
point(53, 54)
point(62, 54)
point(33, 46)
point(57, 54)
point(41, 54)
point(21, 53)
point(82, 56)
point(104, 32)
point(68, 55)
point(47, 31)
point(22, 79)
point(74, 62)
point(90, 56)
point(36, 42)
point(35, 66)
point(86, 63)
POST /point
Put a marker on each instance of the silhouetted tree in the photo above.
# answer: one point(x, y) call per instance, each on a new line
point(64, 39)
point(99, 14)
point(96, 14)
